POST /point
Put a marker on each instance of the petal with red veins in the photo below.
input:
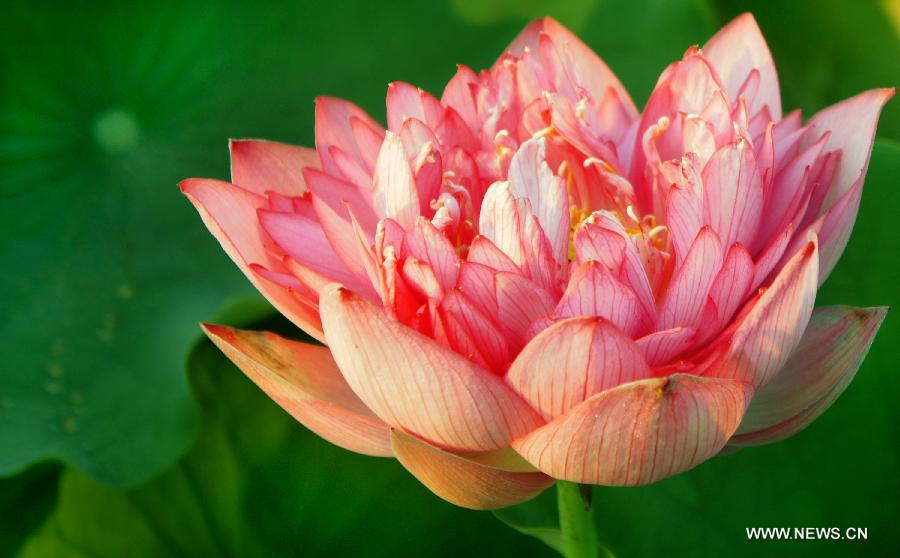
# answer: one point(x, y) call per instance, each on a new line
point(414, 384)
point(594, 291)
point(520, 302)
point(830, 352)
point(229, 212)
point(572, 360)
point(530, 178)
point(304, 240)
point(573, 58)
point(686, 296)
point(639, 432)
point(262, 166)
point(660, 347)
point(852, 124)
point(304, 380)
point(770, 331)
point(340, 123)
point(407, 101)
point(733, 194)
point(738, 49)
point(481, 481)
point(428, 244)
point(732, 285)
point(394, 189)
point(483, 251)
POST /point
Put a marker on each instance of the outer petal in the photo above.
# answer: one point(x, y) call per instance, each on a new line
point(305, 381)
point(852, 123)
point(830, 352)
point(738, 49)
point(229, 213)
point(573, 360)
point(417, 385)
point(262, 166)
point(639, 432)
point(771, 330)
point(477, 481)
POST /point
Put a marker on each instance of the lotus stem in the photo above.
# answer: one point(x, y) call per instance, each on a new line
point(576, 521)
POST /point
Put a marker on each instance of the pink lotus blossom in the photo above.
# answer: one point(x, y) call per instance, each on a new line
point(526, 279)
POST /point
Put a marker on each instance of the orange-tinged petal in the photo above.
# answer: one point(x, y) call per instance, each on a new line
point(229, 213)
point(416, 385)
point(639, 432)
point(572, 360)
point(830, 352)
point(263, 166)
point(481, 481)
point(305, 381)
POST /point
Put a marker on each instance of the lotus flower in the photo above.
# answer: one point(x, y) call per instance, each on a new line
point(528, 280)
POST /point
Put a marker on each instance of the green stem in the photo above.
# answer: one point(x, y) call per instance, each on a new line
point(576, 521)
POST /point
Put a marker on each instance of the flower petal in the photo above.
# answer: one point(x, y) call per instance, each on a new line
point(686, 296)
point(768, 334)
point(574, 60)
point(738, 49)
point(852, 124)
point(305, 381)
point(830, 352)
point(480, 482)
point(639, 432)
point(417, 385)
point(572, 360)
point(229, 213)
point(341, 123)
point(262, 166)
point(394, 191)
point(593, 291)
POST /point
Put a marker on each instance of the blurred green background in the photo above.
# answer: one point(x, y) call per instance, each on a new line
point(122, 433)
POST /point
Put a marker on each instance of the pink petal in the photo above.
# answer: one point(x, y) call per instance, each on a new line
point(481, 481)
point(483, 251)
point(732, 285)
point(304, 380)
point(593, 291)
point(305, 242)
point(738, 49)
point(572, 360)
point(428, 244)
point(660, 347)
point(520, 302)
point(394, 191)
point(479, 329)
point(500, 223)
point(639, 432)
point(407, 101)
point(261, 166)
point(770, 332)
point(229, 212)
point(686, 296)
point(830, 352)
point(415, 384)
point(341, 123)
point(572, 58)
point(531, 178)
point(477, 282)
point(593, 242)
point(852, 124)
point(733, 194)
